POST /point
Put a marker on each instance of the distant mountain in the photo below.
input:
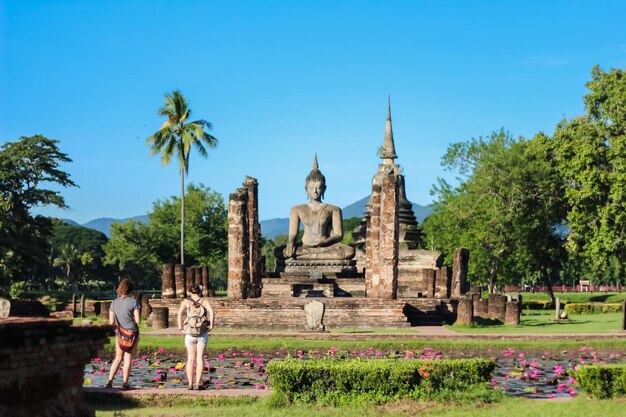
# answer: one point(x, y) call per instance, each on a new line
point(274, 227)
point(269, 228)
point(69, 222)
point(103, 224)
point(356, 209)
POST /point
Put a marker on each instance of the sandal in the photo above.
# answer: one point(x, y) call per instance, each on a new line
point(109, 384)
point(190, 388)
point(126, 386)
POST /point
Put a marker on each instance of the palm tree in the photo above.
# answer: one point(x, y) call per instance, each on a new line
point(174, 140)
point(69, 258)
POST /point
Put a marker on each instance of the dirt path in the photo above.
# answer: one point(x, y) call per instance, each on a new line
point(419, 332)
point(179, 392)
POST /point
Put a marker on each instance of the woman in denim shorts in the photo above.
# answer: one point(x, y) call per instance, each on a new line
point(195, 344)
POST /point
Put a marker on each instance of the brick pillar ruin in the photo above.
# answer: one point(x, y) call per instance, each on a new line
point(442, 282)
point(197, 276)
point(179, 276)
point(459, 272)
point(168, 283)
point(251, 185)
point(238, 245)
point(205, 281)
point(429, 279)
point(465, 311)
point(381, 243)
point(497, 307)
point(482, 308)
point(512, 313)
point(188, 278)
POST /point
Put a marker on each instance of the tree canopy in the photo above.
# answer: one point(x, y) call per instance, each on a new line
point(505, 210)
point(28, 167)
point(140, 249)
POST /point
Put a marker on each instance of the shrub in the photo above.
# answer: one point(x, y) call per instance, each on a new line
point(602, 381)
point(592, 308)
point(18, 290)
point(330, 381)
point(536, 305)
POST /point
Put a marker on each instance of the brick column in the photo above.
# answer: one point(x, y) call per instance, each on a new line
point(179, 276)
point(482, 309)
point(429, 278)
point(372, 242)
point(459, 272)
point(189, 278)
point(442, 282)
point(382, 277)
point(512, 313)
point(497, 307)
point(168, 283)
point(205, 281)
point(238, 245)
point(254, 232)
point(197, 276)
point(465, 311)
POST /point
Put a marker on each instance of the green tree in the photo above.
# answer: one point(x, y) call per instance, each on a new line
point(505, 209)
point(85, 240)
point(139, 250)
point(590, 153)
point(206, 223)
point(72, 261)
point(134, 252)
point(27, 168)
point(175, 139)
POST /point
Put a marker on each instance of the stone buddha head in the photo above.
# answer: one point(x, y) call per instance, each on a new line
point(315, 184)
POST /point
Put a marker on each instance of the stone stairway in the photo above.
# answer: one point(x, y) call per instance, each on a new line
point(427, 311)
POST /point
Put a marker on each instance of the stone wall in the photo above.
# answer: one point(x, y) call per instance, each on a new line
point(41, 366)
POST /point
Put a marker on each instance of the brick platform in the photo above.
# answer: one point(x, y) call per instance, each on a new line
point(287, 313)
point(42, 363)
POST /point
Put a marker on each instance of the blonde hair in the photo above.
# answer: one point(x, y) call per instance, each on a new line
point(125, 287)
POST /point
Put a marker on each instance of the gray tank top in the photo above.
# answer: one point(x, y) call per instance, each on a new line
point(124, 307)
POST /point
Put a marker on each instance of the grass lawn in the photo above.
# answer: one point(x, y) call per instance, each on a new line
point(574, 297)
point(151, 344)
point(582, 406)
point(544, 323)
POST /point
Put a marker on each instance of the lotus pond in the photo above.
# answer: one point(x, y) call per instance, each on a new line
point(531, 375)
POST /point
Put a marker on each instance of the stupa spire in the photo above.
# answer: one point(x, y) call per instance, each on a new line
point(388, 151)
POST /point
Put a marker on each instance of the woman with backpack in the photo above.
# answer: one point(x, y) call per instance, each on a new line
point(197, 324)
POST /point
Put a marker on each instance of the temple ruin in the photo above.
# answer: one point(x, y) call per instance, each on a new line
point(385, 279)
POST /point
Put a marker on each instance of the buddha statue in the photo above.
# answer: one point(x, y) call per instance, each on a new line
point(322, 231)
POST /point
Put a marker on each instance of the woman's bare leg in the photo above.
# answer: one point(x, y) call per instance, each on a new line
point(191, 357)
point(119, 355)
point(199, 363)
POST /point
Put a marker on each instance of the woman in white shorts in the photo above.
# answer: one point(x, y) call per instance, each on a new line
point(198, 322)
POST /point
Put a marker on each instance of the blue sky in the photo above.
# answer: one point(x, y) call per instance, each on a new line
point(281, 80)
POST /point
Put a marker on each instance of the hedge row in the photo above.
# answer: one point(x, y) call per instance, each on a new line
point(329, 381)
point(537, 305)
point(593, 308)
point(602, 381)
